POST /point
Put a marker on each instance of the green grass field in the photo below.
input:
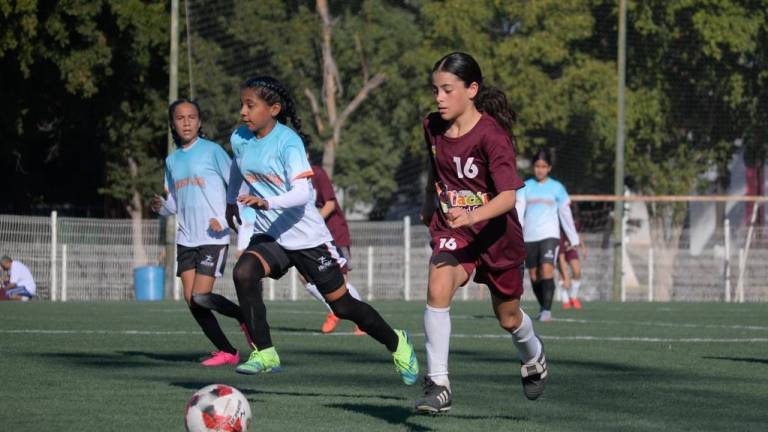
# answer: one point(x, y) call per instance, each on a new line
point(131, 367)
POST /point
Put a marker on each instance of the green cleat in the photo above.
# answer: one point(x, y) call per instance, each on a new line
point(259, 362)
point(406, 363)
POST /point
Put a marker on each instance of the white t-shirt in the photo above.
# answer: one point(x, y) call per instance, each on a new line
point(22, 277)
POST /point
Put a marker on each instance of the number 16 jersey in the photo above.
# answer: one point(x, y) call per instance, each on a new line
point(473, 169)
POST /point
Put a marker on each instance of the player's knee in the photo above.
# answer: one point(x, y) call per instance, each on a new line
point(203, 300)
point(247, 271)
point(511, 322)
point(344, 306)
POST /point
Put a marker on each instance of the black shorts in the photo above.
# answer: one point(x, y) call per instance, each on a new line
point(320, 265)
point(207, 260)
point(541, 252)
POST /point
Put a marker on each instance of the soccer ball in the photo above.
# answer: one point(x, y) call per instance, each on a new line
point(218, 407)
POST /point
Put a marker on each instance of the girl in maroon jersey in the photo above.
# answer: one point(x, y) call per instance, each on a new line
point(475, 226)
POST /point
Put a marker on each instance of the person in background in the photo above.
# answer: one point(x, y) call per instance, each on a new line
point(330, 210)
point(21, 284)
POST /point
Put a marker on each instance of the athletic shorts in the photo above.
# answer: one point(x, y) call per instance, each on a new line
point(347, 255)
point(206, 260)
point(320, 265)
point(505, 284)
point(570, 252)
point(541, 252)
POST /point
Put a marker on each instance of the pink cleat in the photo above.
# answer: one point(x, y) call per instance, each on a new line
point(248, 338)
point(221, 358)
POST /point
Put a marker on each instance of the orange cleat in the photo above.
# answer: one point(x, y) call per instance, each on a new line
point(331, 321)
point(575, 303)
point(566, 305)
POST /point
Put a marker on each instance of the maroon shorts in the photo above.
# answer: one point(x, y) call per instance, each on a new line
point(505, 283)
point(570, 252)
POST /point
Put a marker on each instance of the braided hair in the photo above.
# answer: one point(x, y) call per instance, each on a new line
point(272, 91)
point(172, 115)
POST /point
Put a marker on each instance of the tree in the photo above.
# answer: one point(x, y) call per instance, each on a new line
point(696, 87)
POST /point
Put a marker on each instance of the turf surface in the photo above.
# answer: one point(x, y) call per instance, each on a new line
point(131, 367)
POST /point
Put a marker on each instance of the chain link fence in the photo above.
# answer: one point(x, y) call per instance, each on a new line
point(78, 259)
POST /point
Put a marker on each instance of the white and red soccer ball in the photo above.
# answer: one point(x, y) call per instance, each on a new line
point(218, 407)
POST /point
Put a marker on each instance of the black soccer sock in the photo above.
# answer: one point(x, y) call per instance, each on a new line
point(247, 275)
point(211, 328)
point(547, 293)
point(366, 317)
point(220, 304)
point(537, 291)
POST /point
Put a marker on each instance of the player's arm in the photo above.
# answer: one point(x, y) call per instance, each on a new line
point(327, 209)
point(325, 193)
point(428, 207)
point(166, 206)
point(502, 166)
point(232, 213)
point(566, 217)
point(500, 204)
point(299, 193)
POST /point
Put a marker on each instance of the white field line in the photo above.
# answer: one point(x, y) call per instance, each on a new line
point(662, 324)
point(320, 312)
point(455, 335)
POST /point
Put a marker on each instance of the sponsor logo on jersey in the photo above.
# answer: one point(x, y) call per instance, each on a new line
point(190, 181)
point(264, 178)
point(468, 199)
point(208, 261)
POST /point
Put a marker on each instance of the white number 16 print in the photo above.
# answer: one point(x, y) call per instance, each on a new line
point(469, 170)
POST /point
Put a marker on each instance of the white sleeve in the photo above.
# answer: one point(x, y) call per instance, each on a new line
point(169, 203)
point(235, 181)
point(169, 206)
point(566, 222)
point(299, 195)
point(520, 206)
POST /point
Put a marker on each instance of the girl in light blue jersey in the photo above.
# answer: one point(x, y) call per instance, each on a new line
point(196, 176)
point(288, 229)
point(543, 206)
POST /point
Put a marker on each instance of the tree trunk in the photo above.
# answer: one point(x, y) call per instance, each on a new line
point(329, 157)
point(666, 230)
point(136, 210)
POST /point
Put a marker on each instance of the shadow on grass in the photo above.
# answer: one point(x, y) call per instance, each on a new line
point(739, 359)
point(176, 357)
point(122, 359)
point(394, 415)
point(195, 385)
point(400, 416)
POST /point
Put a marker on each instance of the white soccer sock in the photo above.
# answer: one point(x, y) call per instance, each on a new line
point(575, 284)
point(437, 327)
point(525, 340)
point(563, 292)
point(353, 291)
point(312, 289)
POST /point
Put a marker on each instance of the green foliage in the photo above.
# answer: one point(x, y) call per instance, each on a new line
point(697, 83)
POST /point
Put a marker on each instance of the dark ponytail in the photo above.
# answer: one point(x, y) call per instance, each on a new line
point(272, 91)
point(489, 99)
point(172, 115)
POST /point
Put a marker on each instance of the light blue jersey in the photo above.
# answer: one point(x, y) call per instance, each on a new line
point(269, 165)
point(196, 179)
point(545, 207)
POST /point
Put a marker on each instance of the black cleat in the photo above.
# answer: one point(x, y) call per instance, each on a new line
point(534, 375)
point(437, 398)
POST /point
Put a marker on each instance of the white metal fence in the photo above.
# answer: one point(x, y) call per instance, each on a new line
point(77, 259)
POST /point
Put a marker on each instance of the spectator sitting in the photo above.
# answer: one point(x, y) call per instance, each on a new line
point(20, 286)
